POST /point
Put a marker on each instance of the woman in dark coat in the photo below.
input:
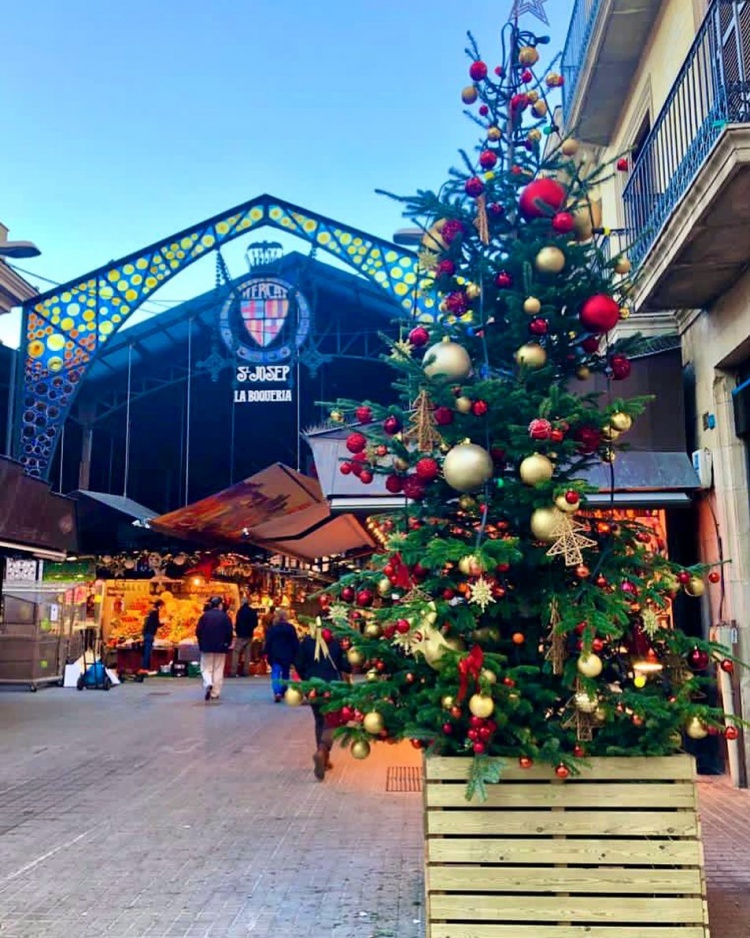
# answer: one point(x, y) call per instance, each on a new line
point(281, 650)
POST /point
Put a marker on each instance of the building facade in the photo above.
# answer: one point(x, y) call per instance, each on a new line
point(666, 84)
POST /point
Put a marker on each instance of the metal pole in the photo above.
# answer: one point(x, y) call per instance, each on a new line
point(299, 417)
point(187, 411)
point(10, 427)
point(62, 457)
point(127, 425)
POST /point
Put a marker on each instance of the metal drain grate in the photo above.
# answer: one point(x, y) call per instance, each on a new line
point(403, 778)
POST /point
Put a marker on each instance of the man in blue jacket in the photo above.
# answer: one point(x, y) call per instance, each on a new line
point(214, 634)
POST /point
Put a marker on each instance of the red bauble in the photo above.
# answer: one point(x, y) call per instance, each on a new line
point(443, 416)
point(539, 326)
point(394, 484)
point(389, 631)
point(479, 747)
point(556, 435)
point(402, 626)
point(445, 268)
point(419, 336)
point(359, 458)
point(365, 477)
point(599, 313)
point(578, 751)
point(684, 577)
point(345, 469)
point(479, 408)
point(623, 165)
point(620, 366)
point(731, 732)
point(417, 743)
point(597, 645)
point(451, 229)
point(325, 600)
point(456, 302)
point(348, 594)
point(447, 729)
point(588, 439)
point(484, 110)
point(346, 714)
point(381, 449)
point(414, 487)
point(356, 442)
point(698, 659)
point(364, 598)
point(590, 344)
point(542, 198)
point(427, 469)
point(448, 593)
point(562, 771)
point(499, 71)
point(496, 209)
point(526, 76)
point(563, 222)
point(503, 280)
point(327, 634)
point(363, 414)
point(714, 576)
point(572, 497)
point(477, 70)
point(474, 187)
point(519, 102)
point(487, 159)
point(540, 429)
point(391, 425)
point(419, 572)
point(727, 665)
point(525, 762)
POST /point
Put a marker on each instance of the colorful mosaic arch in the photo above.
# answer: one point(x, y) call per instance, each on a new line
point(65, 328)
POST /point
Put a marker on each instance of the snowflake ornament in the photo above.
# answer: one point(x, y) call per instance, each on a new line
point(480, 593)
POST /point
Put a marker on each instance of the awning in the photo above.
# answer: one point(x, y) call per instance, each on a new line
point(33, 519)
point(277, 509)
point(119, 503)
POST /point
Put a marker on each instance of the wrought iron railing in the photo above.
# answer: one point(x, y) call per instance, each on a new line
point(579, 33)
point(711, 91)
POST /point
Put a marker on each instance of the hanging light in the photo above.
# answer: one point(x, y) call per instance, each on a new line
point(649, 664)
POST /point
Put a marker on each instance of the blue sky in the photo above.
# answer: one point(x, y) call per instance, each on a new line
point(124, 122)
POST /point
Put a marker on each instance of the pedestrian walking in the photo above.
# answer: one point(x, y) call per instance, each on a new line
point(214, 634)
point(245, 624)
point(281, 649)
point(320, 655)
point(150, 628)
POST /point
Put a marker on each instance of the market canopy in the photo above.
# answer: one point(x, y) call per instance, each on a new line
point(277, 509)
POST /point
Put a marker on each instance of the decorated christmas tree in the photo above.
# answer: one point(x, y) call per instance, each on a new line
point(506, 620)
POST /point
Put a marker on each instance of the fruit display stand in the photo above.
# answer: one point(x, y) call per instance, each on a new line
point(614, 852)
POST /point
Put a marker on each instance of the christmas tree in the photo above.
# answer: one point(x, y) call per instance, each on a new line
point(505, 621)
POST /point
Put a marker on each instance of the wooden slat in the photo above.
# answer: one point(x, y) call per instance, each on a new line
point(472, 930)
point(610, 796)
point(590, 851)
point(658, 768)
point(600, 880)
point(604, 823)
point(552, 909)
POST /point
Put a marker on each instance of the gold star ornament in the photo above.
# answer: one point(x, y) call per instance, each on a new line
point(568, 540)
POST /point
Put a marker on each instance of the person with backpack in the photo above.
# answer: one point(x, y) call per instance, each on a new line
point(321, 656)
point(214, 634)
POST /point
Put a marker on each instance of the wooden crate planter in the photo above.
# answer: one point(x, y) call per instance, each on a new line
point(612, 853)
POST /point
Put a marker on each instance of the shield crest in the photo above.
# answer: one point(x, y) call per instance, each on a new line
point(263, 318)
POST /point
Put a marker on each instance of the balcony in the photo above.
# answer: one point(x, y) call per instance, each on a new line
point(603, 47)
point(687, 201)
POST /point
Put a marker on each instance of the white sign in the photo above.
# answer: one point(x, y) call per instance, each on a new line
point(258, 375)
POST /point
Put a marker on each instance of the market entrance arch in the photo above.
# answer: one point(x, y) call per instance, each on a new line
point(65, 328)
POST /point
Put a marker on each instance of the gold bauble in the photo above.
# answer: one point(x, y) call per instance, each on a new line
point(470, 565)
point(624, 312)
point(400, 464)
point(373, 722)
point(695, 586)
point(448, 359)
point(372, 629)
point(543, 520)
point(469, 94)
point(600, 714)
point(622, 265)
point(528, 55)
point(488, 676)
point(373, 674)
point(494, 133)
point(640, 680)
point(589, 665)
point(467, 467)
point(533, 96)
point(447, 702)
point(360, 749)
point(432, 239)
point(293, 696)
point(336, 416)
point(535, 134)
point(473, 290)
point(696, 729)
point(583, 373)
point(586, 217)
point(532, 306)
point(463, 404)
point(385, 587)
point(536, 469)
point(550, 260)
point(621, 422)
point(481, 705)
point(563, 504)
point(355, 657)
point(467, 503)
point(540, 108)
point(585, 704)
point(569, 147)
point(531, 355)
point(609, 432)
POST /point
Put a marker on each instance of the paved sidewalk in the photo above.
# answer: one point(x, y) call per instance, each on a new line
point(146, 812)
